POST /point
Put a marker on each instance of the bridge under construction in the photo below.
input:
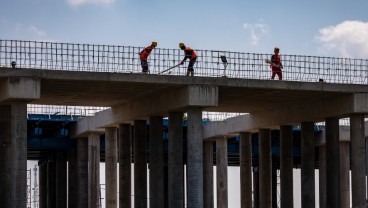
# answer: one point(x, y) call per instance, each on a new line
point(314, 90)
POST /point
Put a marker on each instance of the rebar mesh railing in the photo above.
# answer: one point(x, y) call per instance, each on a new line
point(125, 59)
point(63, 110)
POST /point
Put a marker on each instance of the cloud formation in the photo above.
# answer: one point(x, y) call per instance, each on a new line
point(347, 39)
point(256, 30)
point(76, 3)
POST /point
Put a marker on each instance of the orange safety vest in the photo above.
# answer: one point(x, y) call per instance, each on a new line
point(145, 53)
point(189, 53)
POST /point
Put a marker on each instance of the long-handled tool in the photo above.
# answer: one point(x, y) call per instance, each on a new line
point(169, 69)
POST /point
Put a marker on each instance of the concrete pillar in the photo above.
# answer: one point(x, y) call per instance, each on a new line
point(82, 172)
point(256, 187)
point(274, 186)
point(51, 183)
point(175, 161)
point(245, 149)
point(111, 167)
point(286, 166)
point(307, 165)
point(344, 174)
point(322, 176)
point(42, 178)
point(125, 162)
point(265, 169)
point(156, 171)
point(221, 172)
point(358, 165)
point(61, 180)
point(72, 177)
point(93, 170)
point(208, 198)
point(13, 154)
point(195, 159)
point(332, 163)
point(140, 164)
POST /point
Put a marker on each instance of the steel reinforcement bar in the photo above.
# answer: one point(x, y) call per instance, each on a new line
point(125, 59)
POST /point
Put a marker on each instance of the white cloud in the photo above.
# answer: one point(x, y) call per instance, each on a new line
point(256, 30)
point(38, 32)
point(76, 3)
point(347, 39)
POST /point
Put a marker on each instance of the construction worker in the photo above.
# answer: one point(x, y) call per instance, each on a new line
point(189, 53)
point(276, 64)
point(143, 55)
point(13, 64)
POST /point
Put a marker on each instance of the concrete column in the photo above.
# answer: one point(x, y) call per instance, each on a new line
point(332, 163)
point(208, 198)
point(195, 159)
point(358, 166)
point(61, 181)
point(82, 172)
point(51, 183)
point(72, 177)
point(307, 165)
point(245, 147)
point(256, 187)
point(265, 169)
point(42, 178)
point(344, 174)
point(175, 161)
point(221, 172)
point(156, 171)
point(93, 170)
point(274, 186)
point(13, 154)
point(111, 167)
point(322, 176)
point(140, 164)
point(125, 166)
point(286, 166)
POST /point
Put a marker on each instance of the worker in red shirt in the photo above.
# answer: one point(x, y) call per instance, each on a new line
point(143, 55)
point(191, 55)
point(276, 64)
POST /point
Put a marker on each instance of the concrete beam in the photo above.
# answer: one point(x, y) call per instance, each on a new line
point(16, 88)
point(170, 100)
point(291, 115)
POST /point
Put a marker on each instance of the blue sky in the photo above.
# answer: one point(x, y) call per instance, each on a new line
point(313, 27)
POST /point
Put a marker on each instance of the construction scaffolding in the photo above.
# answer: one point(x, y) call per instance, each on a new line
point(210, 63)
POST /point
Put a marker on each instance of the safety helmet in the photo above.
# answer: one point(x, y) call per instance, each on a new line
point(181, 45)
point(276, 49)
point(13, 63)
point(154, 43)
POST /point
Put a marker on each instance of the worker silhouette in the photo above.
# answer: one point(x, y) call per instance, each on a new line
point(276, 64)
point(191, 55)
point(143, 55)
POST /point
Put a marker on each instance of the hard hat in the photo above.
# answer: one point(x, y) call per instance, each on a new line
point(276, 49)
point(13, 63)
point(181, 45)
point(154, 43)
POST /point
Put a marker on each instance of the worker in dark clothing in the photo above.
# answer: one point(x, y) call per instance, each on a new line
point(143, 55)
point(191, 55)
point(276, 64)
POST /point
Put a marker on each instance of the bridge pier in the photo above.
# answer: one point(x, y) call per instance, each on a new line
point(93, 169)
point(245, 147)
point(307, 165)
point(322, 176)
point(82, 172)
point(286, 166)
point(265, 169)
point(111, 167)
point(156, 163)
point(175, 160)
point(344, 173)
point(125, 165)
point(13, 154)
point(208, 192)
point(140, 164)
point(221, 172)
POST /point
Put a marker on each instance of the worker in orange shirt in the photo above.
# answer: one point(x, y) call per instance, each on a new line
point(143, 55)
point(191, 55)
point(276, 64)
